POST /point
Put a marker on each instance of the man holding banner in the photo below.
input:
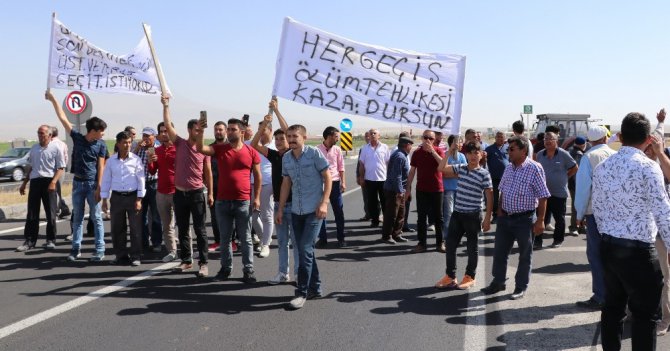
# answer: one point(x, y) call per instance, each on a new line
point(88, 163)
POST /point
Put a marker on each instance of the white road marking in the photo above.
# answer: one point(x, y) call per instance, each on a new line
point(55, 311)
point(350, 191)
point(17, 228)
point(475, 317)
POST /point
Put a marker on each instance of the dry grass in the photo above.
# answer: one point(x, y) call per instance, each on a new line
point(14, 198)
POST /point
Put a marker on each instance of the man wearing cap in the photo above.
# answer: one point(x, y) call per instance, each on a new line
point(558, 166)
point(394, 192)
point(598, 153)
point(578, 149)
point(146, 151)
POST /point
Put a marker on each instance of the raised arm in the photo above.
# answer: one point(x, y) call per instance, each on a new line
point(172, 133)
point(59, 112)
point(255, 142)
point(282, 122)
point(200, 141)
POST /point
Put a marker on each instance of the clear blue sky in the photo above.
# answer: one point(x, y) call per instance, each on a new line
point(605, 58)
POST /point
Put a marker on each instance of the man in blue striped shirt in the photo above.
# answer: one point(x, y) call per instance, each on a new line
point(473, 182)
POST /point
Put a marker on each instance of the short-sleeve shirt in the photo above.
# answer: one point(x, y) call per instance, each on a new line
point(306, 178)
point(471, 186)
point(277, 177)
point(45, 160)
point(235, 171)
point(165, 164)
point(522, 186)
point(189, 166)
point(85, 156)
point(428, 178)
point(335, 160)
point(451, 184)
point(374, 160)
point(556, 171)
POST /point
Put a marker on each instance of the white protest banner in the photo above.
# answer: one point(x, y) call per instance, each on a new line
point(76, 64)
point(321, 69)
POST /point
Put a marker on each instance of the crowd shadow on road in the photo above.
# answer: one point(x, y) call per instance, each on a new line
point(546, 339)
point(560, 268)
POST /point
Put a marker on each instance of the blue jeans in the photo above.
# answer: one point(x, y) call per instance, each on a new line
point(337, 205)
point(593, 242)
point(84, 191)
point(306, 227)
point(235, 213)
point(284, 233)
point(448, 199)
point(149, 204)
point(510, 229)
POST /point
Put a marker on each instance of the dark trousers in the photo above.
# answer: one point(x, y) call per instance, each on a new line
point(555, 208)
point(337, 205)
point(375, 192)
point(407, 207)
point(187, 205)
point(122, 207)
point(429, 202)
point(508, 230)
point(153, 230)
point(496, 196)
point(62, 206)
point(460, 224)
point(632, 276)
point(394, 215)
point(38, 192)
point(215, 223)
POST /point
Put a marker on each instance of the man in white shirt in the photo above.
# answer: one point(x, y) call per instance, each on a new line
point(63, 210)
point(123, 182)
point(631, 207)
point(372, 173)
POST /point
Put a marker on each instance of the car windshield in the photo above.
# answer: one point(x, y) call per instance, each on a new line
point(15, 153)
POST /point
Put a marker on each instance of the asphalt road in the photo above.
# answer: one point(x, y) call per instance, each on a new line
point(376, 296)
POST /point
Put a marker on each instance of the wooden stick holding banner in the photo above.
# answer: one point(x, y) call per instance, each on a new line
point(274, 97)
point(159, 69)
point(51, 45)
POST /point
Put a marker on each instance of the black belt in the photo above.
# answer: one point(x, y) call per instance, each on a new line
point(630, 243)
point(519, 214)
point(124, 193)
point(81, 179)
point(193, 191)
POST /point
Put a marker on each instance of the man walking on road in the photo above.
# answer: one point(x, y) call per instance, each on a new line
point(558, 166)
point(236, 161)
point(394, 192)
point(372, 174)
point(192, 173)
point(631, 206)
point(88, 162)
point(523, 189)
point(306, 176)
point(333, 154)
point(123, 182)
point(46, 168)
point(598, 153)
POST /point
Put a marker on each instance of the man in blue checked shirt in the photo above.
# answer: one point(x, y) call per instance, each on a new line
point(306, 176)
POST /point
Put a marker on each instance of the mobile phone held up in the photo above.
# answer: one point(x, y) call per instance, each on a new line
point(203, 119)
point(245, 119)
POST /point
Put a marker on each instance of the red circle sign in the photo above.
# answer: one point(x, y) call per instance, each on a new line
point(76, 102)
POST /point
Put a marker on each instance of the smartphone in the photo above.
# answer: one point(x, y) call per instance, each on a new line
point(245, 119)
point(203, 118)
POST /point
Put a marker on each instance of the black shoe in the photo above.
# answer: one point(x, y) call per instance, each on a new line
point(591, 304)
point(311, 295)
point(374, 224)
point(222, 275)
point(537, 246)
point(389, 240)
point(249, 277)
point(342, 244)
point(118, 261)
point(556, 245)
point(400, 239)
point(321, 244)
point(493, 288)
point(518, 294)
point(64, 214)
point(408, 230)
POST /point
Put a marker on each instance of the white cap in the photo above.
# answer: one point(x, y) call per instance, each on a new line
point(596, 133)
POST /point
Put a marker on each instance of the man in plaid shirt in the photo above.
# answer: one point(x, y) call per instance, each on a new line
point(523, 189)
point(146, 151)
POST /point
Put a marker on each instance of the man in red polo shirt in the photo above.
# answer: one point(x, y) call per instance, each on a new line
point(429, 189)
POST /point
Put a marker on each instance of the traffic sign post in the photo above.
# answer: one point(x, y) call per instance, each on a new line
point(528, 109)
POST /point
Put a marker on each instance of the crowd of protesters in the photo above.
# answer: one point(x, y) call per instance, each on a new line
point(272, 183)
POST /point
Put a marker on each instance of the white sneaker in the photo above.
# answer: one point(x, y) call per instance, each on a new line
point(549, 227)
point(431, 228)
point(297, 302)
point(255, 239)
point(280, 278)
point(265, 251)
point(170, 257)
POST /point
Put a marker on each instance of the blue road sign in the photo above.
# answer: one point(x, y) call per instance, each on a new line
point(345, 125)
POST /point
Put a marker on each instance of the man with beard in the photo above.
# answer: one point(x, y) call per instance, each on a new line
point(219, 139)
